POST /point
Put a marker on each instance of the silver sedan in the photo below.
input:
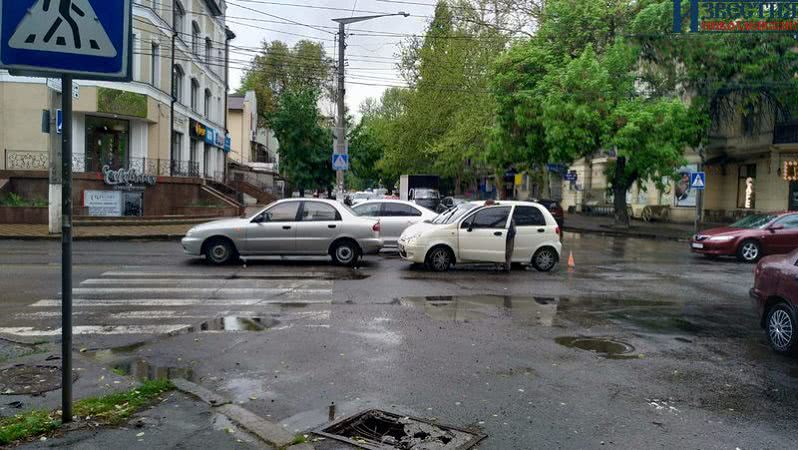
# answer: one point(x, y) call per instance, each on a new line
point(302, 227)
point(394, 216)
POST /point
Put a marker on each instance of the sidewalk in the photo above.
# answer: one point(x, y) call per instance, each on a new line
point(580, 223)
point(109, 232)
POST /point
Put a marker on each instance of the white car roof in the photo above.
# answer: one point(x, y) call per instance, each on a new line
point(400, 202)
point(506, 203)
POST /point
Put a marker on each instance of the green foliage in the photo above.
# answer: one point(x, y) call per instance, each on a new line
point(111, 409)
point(279, 68)
point(123, 103)
point(365, 151)
point(305, 140)
point(16, 201)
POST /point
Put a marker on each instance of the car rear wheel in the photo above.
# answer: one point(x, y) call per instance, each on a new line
point(345, 253)
point(749, 251)
point(545, 259)
point(439, 259)
point(781, 330)
point(220, 251)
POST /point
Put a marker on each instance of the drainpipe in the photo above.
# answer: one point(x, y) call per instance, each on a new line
point(229, 35)
point(174, 99)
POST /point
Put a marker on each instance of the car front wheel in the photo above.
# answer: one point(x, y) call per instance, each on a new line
point(220, 251)
point(781, 329)
point(439, 259)
point(749, 251)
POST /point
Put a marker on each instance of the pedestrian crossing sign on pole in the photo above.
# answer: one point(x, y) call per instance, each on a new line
point(698, 181)
point(340, 161)
point(85, 39)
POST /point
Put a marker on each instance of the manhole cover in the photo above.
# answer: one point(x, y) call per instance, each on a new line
point(27, 380)
point(381, 430)
point(602, 346)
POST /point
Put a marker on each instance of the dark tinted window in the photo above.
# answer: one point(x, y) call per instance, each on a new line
point(789, 222)
point(319, 212)
point(528, 216)
point(489, 218)
point(399, 210)
point(284, 212)
point(367, 210)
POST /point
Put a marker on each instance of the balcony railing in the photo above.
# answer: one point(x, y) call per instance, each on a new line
point(32, 160)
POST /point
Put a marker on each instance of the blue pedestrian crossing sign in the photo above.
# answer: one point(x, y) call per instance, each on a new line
point(698, 181)
point(340, 161)
point(86, 39)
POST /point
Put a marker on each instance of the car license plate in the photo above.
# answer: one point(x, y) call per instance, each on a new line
point(697, 245)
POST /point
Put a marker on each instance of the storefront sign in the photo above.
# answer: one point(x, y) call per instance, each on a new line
point(791, 170)
point(210, 136)
point(126, 178)
point(103, 203)
point(228, 144)
point(197, 130)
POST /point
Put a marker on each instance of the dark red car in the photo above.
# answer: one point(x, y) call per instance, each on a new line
point(555, 209)
point(751, 238)
point(776, 294)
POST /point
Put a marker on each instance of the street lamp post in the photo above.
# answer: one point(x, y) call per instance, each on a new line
point(341, 147)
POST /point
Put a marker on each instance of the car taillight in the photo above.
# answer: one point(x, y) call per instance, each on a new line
point(557, 230)
point(376, 227)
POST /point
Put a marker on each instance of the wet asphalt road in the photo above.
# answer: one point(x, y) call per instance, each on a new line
point(472, 348)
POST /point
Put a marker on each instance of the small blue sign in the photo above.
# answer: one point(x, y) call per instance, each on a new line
point(59, 121)
point(698, 181)
point(571, 176)
point(340, 162)
point(87, 39)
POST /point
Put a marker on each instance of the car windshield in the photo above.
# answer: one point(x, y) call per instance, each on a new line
point(426, 194)
point(454, 214)
point(754, 222)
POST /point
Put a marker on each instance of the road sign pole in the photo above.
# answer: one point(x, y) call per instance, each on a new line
point(66, 252)
point(340, 142)
point(699, 203)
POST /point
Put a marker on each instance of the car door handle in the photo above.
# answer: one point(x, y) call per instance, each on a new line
point(331, 226)
point(286, 227)
point(498, 233)
point(541, 230)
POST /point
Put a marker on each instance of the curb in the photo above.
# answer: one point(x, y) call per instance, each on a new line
point(630, 234)
point(269, 432)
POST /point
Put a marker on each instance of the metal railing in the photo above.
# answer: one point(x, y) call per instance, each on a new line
point(34, 160)
point(786, 133)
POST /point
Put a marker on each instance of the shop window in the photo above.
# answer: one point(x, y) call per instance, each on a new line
point(746, 187)
point(177, 145)
point(107, 143)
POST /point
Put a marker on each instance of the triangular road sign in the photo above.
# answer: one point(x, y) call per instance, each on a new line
point(63, 26)
point(698, 181)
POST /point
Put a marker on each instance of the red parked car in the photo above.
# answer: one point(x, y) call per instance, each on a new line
point(751, 238)
point(776, 294)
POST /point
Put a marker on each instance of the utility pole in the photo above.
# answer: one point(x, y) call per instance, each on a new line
point(341, 147)
point(66, 251)
point(54, 195)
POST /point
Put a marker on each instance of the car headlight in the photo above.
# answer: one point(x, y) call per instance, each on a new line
point(721, 238)
point(411, 237)
point(191, 232)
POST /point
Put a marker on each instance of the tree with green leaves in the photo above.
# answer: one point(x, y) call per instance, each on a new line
point(305, 140)
point(278, 68)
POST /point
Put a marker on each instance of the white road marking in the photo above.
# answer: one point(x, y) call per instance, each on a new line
point(220, 284)
point(84, 302)
point(97, 329)
point(199, 291)
point(221, 275)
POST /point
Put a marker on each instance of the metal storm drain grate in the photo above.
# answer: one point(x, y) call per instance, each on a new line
point(381, 430)
point(27, 380)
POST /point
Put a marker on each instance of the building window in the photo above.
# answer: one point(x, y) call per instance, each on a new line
point(136, 59)
point(177, 83)
point(194, 94)
point(178, 17)
point(107, 143)
point(177, 145)
point(155, 66)
point(208, 49)
point(195, 39)
point(746, 187)
point(207, 103)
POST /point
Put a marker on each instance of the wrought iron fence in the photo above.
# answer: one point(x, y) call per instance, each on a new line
point(26, 160)
point(786, 133)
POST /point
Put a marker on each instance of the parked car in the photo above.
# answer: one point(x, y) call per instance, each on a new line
point(776, 294)
point(302, 227)
point(555, 209)
point(394, 216)
point(750, 238)
point(360, 197)
point(478, 233)
point(428, 198)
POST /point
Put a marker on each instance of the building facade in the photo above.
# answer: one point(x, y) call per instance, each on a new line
point(168, 122)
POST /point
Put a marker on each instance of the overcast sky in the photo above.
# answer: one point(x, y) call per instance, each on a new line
point(371, 58)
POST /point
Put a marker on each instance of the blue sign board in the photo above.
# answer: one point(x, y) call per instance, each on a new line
point(571, 176)
point(59, 121)
point(698, 181)
point(340, 162)
point(87, 39)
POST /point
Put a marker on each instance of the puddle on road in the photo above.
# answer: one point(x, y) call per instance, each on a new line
point(525, 310)
point(143, 370)
point(606, 347)
point(234, 323)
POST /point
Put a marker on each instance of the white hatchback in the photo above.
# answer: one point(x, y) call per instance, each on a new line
point(394, 216)
point(477, 233)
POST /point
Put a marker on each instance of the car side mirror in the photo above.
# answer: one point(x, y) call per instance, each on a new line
point(776, 227)
point(259, 219)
